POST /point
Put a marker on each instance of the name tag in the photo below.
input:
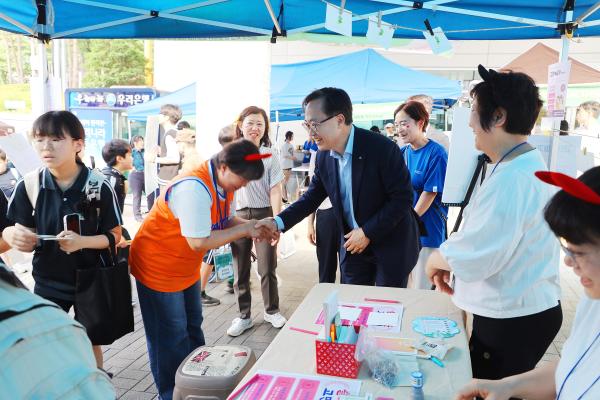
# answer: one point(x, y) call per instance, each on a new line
point(223, 259)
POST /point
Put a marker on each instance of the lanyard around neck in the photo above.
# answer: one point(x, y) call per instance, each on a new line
point(573, 369)
point(505, 155)
point(214, 176)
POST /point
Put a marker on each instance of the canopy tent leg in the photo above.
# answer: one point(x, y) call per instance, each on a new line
point(564, 57)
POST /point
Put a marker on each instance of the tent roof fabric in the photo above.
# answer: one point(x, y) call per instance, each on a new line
point(185, 98)
point(365, 75)
point(534, 62)
point(460, 19)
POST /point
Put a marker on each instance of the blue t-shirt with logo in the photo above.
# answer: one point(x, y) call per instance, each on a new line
point(427, 167)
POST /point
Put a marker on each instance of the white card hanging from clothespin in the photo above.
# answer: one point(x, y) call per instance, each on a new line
point(338, 20)
point(438, 41)
point(380, 32)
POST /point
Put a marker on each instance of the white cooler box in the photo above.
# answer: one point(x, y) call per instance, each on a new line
point(212, 372)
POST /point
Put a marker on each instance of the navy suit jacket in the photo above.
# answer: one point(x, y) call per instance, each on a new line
point(382, 198)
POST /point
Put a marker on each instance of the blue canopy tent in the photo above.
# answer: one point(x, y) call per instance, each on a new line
point(185, 98)
point(367, 76)
point(460, 19)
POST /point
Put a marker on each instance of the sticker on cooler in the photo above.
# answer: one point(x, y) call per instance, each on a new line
point(216, 361)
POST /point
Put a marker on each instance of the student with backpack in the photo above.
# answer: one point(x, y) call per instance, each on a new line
point(118, 159)
point(43, 352)
point(41, 200)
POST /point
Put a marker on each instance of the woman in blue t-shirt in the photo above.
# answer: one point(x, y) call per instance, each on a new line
point(426, 161)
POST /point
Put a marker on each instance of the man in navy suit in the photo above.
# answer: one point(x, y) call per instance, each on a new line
point(366, 178)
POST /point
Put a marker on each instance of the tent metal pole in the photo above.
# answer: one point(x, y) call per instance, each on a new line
point(587, 13)
point(17, 24)
point(431, 6)
point(564, 57)
point(273, 17)
point(101, 26)
point(395, 10)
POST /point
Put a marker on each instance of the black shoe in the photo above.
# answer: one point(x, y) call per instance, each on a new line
point(285, 201)
point(229, 287)
point(209, 301)
point(110, 374)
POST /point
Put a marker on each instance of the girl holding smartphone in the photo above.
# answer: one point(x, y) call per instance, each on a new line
point(58, 138)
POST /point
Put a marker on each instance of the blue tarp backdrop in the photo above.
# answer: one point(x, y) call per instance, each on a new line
point(367, 76)
point(185, 98)
point(460, 19)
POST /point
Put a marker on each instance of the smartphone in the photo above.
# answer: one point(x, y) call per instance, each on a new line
point(71, 223)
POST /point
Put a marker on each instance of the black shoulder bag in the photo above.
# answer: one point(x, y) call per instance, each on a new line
point(103, 298)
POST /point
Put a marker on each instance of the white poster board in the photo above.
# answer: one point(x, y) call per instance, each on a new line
point(569, 152)
point(462, 158)
point(20, 152)
point(150, 143)
point(232, 78)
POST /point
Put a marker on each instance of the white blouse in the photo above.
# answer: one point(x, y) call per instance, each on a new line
point(505, 258)
point(584, 380)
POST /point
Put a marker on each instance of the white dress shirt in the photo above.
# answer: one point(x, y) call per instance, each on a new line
point(505, 258)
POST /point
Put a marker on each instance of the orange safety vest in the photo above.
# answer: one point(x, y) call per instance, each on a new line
point(160, 257)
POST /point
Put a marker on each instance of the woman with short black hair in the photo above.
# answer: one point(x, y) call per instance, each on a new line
point(504, 259)
point(574, 216)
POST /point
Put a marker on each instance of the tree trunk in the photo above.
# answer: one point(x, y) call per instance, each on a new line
point(20, 76)
point(9, 74)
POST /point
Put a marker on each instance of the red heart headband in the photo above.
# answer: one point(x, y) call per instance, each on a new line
point(573, 186)
point(256, 156)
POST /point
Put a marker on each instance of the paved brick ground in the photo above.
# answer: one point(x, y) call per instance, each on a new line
point(128, 360)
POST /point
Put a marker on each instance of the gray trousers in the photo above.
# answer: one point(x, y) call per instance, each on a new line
point(267, 264)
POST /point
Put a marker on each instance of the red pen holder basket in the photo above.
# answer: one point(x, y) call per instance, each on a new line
point(336, 359)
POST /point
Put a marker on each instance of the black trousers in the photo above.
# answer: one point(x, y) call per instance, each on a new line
point(328, 244)
point(366, 269)
point(136, 181)
point(510, 346)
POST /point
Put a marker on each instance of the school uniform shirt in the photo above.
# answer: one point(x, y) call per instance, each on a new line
point(53, 269)
point(4, 222)
point(287, 150)
point(505, 258)
point(7, 183)
point(584, 381)
point(117, 181)
point(427, 167)
point(257, 194)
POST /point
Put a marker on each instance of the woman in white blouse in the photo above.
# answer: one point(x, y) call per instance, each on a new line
point(574, 216)
point(259, 199)
point(504, 259)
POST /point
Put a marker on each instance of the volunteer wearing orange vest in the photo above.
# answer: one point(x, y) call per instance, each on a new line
point(191, 217)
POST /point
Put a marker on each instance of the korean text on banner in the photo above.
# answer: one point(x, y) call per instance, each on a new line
point(558, 80)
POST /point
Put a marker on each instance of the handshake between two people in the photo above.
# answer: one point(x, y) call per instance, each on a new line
point(264, 230)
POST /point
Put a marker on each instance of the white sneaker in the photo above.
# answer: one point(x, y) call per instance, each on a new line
point(239, 326)
point(277, 320)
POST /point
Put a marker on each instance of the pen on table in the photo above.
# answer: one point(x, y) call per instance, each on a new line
point(434, 359)
point(293, 328)
point(382, 300)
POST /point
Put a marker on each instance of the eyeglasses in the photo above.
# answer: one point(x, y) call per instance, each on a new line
point(401, 124)
point(568, 252)
point(314, 126)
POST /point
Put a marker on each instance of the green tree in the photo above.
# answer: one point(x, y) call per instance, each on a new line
point(113, 62)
